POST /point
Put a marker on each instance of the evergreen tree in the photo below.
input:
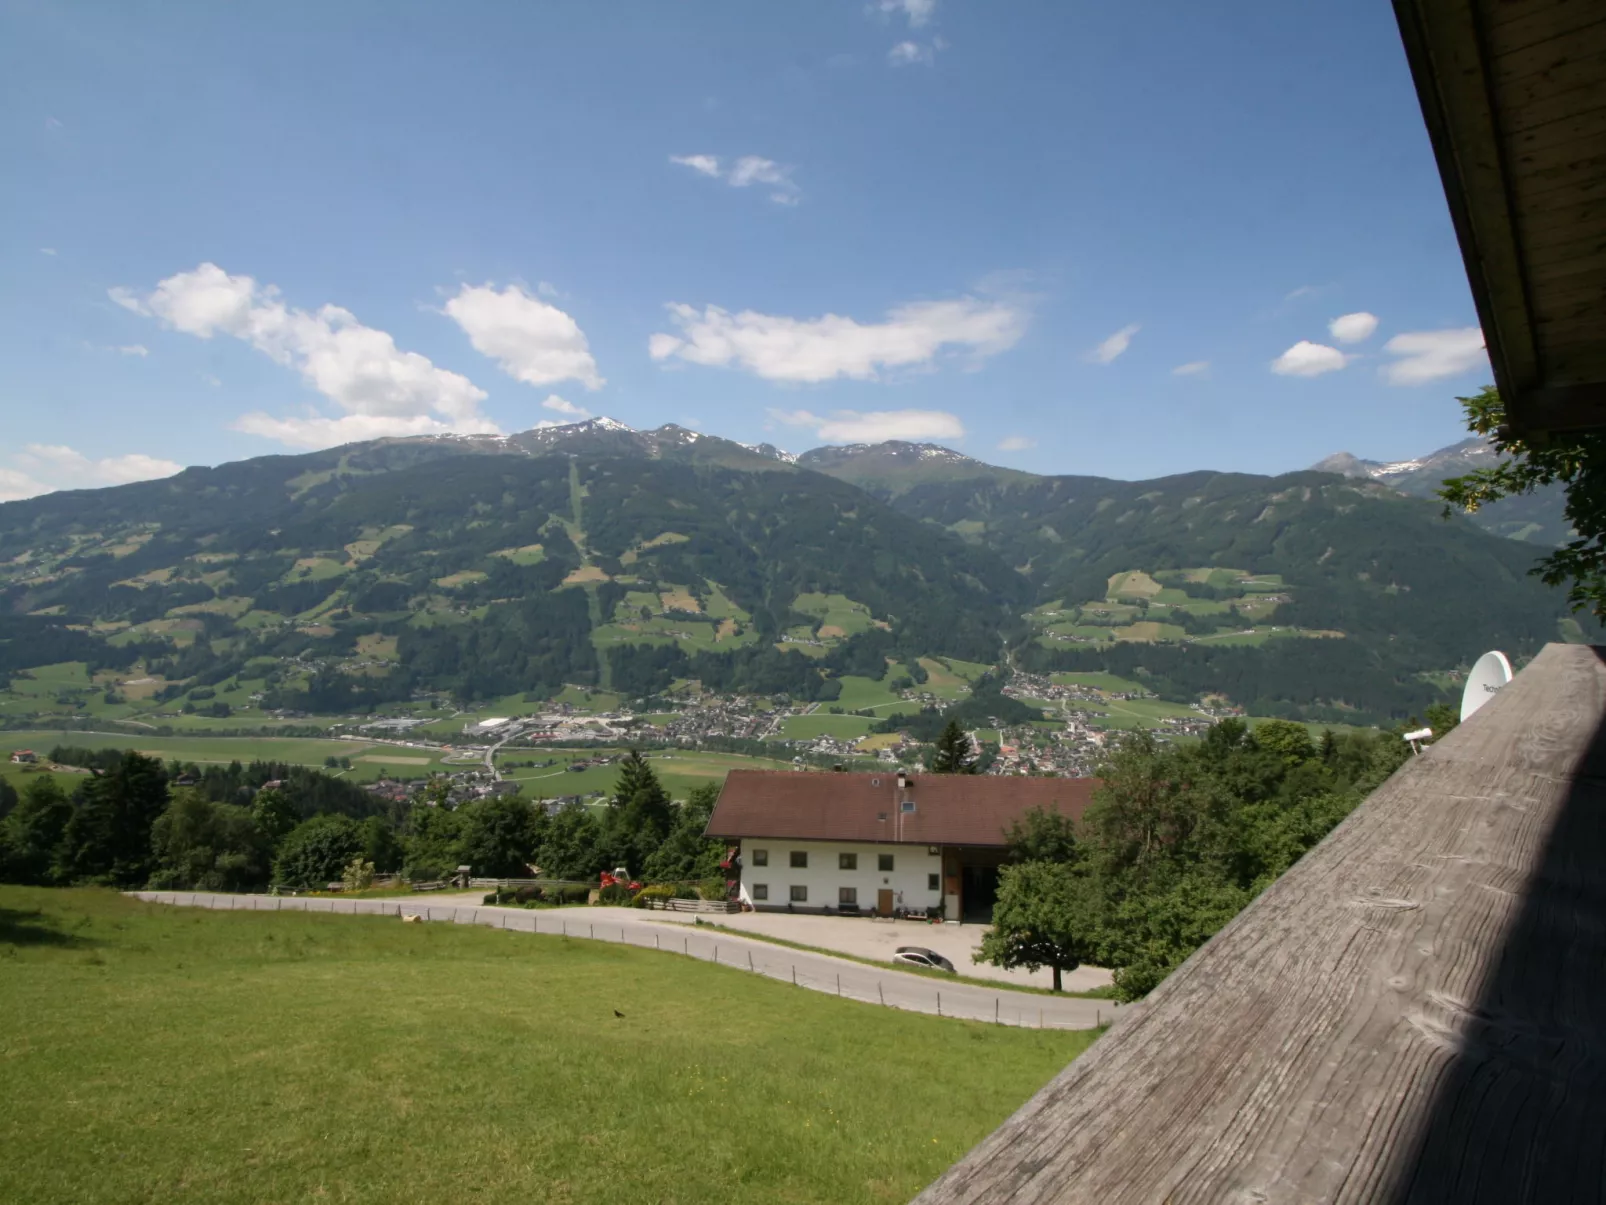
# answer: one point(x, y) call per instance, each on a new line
point(640, 813)
point(31, 837)
point(954, 754)
point(109, 837)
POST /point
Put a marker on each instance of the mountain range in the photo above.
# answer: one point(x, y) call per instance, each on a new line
point(487, 566)
point(1537, 518)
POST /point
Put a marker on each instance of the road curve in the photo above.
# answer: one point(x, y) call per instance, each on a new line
point(817, 972)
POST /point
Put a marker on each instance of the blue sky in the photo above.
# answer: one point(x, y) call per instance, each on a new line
point(1108, 239)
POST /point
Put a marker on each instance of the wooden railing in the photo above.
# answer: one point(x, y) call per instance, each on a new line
point(1414, 1012)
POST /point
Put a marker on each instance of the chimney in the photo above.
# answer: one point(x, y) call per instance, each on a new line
point(903, 781)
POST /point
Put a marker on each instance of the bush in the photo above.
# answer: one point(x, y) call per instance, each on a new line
point(528, 894)
point(614, 894)
point(358, 875)
point(712, 889)
point(659, 891)
point(568, 895)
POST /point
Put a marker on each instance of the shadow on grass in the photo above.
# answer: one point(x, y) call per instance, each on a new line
point(34, 928)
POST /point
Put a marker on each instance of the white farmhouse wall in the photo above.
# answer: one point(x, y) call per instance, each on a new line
point(912, 866)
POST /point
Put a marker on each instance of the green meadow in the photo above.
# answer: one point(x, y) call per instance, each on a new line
point(166, 1055)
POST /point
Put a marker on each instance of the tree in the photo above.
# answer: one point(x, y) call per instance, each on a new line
point(1046, 915)
point(275, 814)
point(1577, 462)
point(500, 835)
point(430, 843)
point(954, 754)
point(686, 854)
point(640, 813)
point(317, 851)
point(208, 846)
point(109, 837)
point(1043, 835)
point(572, 847)
point(32, 846)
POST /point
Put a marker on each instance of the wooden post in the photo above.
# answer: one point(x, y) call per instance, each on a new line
point(794, 975)
point(939, 1004)
point(839, 985)
point(750, 965)
point(995, 1010)
point(879, 993)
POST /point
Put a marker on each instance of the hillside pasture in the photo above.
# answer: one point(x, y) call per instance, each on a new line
point(160, 1054)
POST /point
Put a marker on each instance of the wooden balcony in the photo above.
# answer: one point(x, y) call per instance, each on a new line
point(1415, 1012)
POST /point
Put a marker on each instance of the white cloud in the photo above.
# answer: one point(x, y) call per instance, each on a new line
point(903, 54)
point(532, 341)
point(319, 431)
point(874, 426)
point(135, 349)
point(16, 485)
point(381, 389)
point(1016, 443)
point(1353, 328)
point(42, 468)
point(1307, 359)
point(918, 12)
point(745, 172)
point(1433, 355)
point(211, 380)
point(708, 165)
point(47, 251)
point(778, 348)
point(1193, 368)
point(561, 406)
point(1115, 345)
point(1302, 291)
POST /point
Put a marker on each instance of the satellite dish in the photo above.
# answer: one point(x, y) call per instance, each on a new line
point(1489, 674)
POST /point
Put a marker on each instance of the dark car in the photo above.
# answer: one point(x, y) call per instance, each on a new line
point(919, 956)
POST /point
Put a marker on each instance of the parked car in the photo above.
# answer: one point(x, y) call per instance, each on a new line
point(919, 956)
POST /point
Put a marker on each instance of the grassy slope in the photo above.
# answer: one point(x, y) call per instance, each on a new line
point(158, 1055)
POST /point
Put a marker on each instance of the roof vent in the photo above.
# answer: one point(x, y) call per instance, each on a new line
point(880, 815)
point(875, 782)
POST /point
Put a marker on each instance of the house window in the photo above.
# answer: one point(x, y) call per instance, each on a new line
point(800, 895)
point(761, 891)
point(847, 861)
point(800, 859)
point(761, 857)
point(908, 805)
point(847, 895)
point(933, 883)
point(884, 861)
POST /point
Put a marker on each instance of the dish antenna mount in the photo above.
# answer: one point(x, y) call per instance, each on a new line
point(1489, 674)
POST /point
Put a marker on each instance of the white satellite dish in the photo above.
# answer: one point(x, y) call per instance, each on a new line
point(1489, 674)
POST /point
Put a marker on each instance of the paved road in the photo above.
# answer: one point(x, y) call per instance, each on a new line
point(818, 972)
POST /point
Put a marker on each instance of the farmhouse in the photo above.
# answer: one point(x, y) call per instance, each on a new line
point(888, 843)
point(26, 757)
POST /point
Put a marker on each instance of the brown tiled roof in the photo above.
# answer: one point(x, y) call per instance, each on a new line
point(950, 809)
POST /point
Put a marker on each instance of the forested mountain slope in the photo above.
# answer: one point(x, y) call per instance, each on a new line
point(487, 566)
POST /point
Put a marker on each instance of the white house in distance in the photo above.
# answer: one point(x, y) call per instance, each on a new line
point(879, 842)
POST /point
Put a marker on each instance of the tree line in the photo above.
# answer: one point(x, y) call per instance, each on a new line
point(1178, 839)
point(130, 824)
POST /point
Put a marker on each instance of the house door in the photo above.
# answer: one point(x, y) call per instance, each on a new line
point(883, 902)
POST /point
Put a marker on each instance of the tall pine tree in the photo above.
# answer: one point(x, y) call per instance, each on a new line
point(954, 753)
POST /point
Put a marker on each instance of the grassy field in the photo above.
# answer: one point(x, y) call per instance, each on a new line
point(809, 727)
point(678, 771)
point(159, 1055)
point(369, 761)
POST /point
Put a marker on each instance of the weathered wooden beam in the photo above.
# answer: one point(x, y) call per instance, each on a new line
point(1415, 1012)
